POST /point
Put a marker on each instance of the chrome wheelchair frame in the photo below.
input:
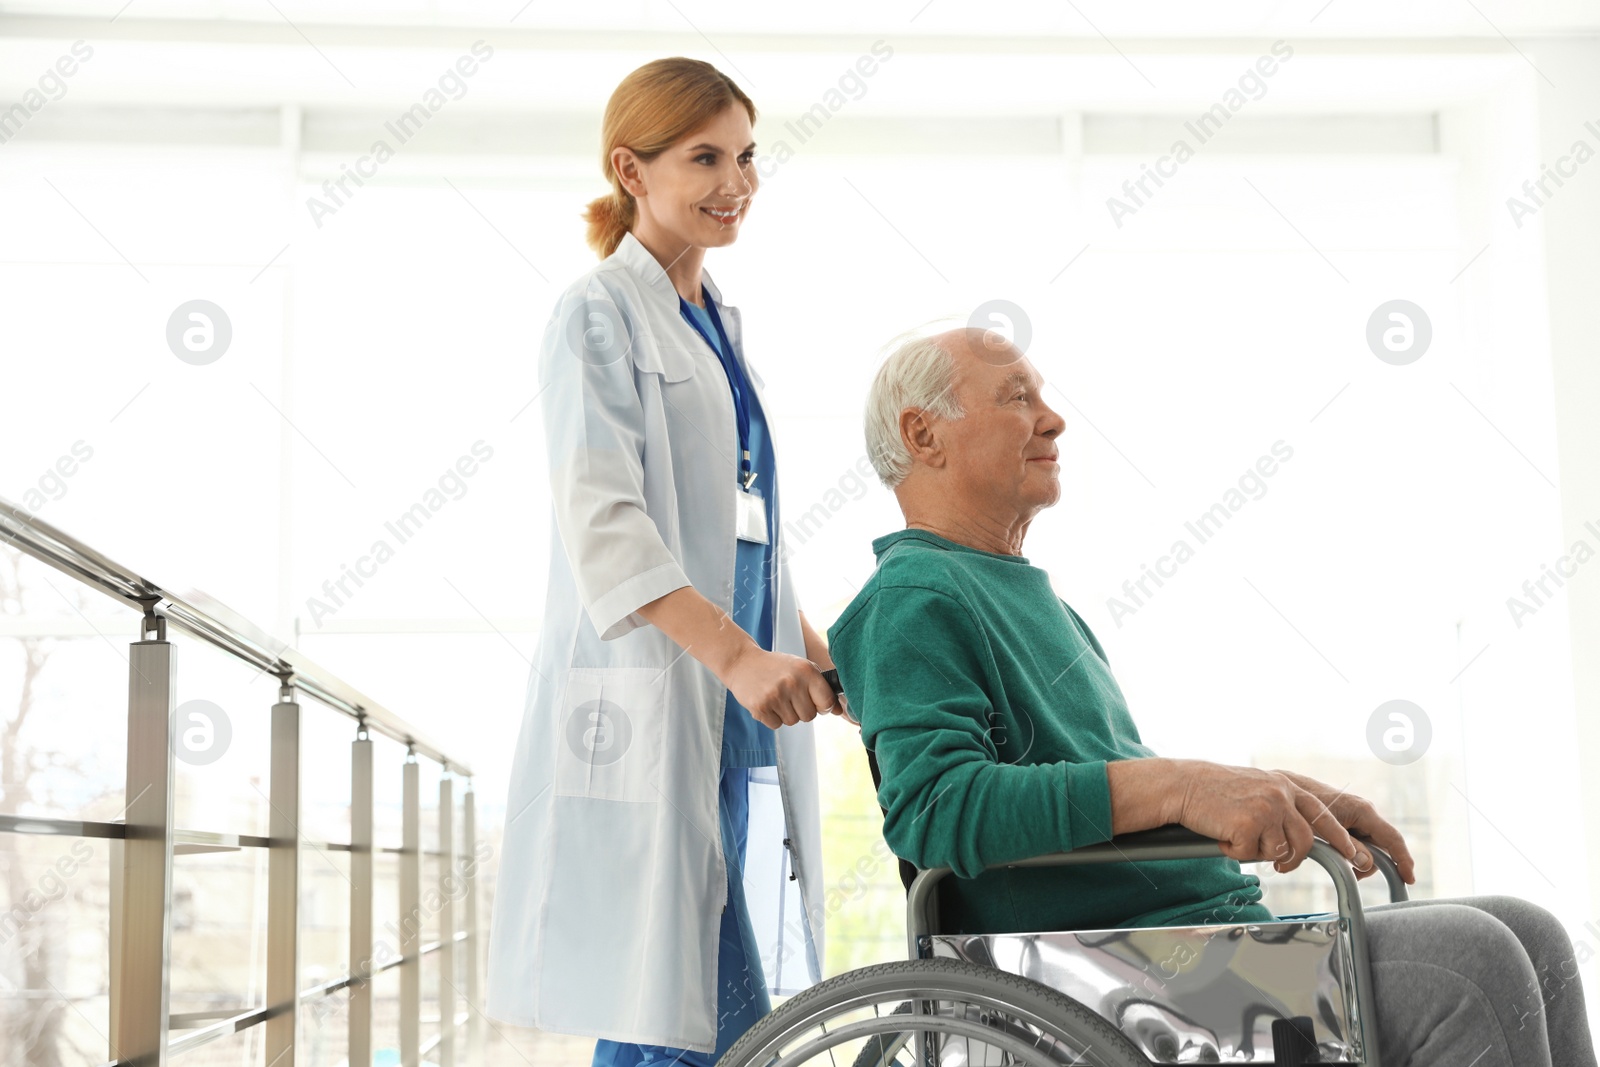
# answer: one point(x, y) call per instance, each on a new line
point(997, 991)
point(1177, 842)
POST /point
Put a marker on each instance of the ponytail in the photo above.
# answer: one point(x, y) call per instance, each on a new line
point(609, 217)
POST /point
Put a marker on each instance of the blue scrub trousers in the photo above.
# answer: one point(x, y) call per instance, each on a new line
point(741, 987)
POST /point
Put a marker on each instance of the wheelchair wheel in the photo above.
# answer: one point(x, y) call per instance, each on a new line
point(932, 1013)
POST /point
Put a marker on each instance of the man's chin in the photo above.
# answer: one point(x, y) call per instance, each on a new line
point(1050, 499)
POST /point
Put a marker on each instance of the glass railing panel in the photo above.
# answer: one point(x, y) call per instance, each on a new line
point(54, 949)
point(324, 916)
point(431, 898)
point(428, 814)
point(245, 1048)
point(63, 694)
point(325, 737)
point(324, 1032)
point(385, 908)
point(430, 1003)
point(222, 738)
point(219, 931)
point(386, 1017)
point(388, 758)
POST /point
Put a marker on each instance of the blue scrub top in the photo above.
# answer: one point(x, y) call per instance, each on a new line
point(745, 742)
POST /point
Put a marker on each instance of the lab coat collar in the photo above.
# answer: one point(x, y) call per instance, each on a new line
point(637, 258)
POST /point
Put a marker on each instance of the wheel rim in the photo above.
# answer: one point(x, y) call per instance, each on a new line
point(957, 1023)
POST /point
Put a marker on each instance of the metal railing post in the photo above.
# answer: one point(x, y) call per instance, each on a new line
point(360, 993)
point(283, 882)
point(410, 916)
point(115, 861)
point(469, 869)
point(447, 921)
point(139, 985)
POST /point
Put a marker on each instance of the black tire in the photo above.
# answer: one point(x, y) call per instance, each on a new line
point(1088, 1039)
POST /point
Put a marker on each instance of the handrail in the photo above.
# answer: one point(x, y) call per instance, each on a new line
point(146, 839)
point(208, 619)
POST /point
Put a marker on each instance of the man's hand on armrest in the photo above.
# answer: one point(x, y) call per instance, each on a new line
point(1255, 814)
point(1360, 816)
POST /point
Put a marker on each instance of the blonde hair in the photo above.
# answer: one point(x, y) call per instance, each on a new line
point(652, 109)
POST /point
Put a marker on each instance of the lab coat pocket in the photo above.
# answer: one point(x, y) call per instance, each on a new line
point(611, 733)
point(673, 362)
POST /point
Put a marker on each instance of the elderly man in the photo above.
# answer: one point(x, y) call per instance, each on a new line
point(1000, 733)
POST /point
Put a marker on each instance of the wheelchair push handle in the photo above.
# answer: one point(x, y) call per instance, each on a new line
point(831, 676)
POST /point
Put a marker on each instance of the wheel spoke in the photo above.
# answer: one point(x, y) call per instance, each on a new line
point(932, 1013)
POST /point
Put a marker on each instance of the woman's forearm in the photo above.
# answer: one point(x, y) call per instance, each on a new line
point(777, 688)
point(700, 628)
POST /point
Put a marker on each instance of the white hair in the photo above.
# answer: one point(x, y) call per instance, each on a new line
point(918, 374)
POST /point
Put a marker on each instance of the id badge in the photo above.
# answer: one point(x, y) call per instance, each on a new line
point(752, 516)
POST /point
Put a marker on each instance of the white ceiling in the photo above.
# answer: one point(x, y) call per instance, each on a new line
point(952, 58)
point(1088, 19)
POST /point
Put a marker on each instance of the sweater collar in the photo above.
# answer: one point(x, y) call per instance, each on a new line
point(632, 254)
point(888, 541)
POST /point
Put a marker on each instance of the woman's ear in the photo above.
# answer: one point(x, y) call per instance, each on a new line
point(629, 169)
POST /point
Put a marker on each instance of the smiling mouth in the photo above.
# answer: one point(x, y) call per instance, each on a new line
point(724, 217)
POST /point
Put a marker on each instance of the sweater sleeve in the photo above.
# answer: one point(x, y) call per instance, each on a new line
point(916, 666)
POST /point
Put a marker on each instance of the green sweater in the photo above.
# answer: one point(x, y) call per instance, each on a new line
point(992, 712)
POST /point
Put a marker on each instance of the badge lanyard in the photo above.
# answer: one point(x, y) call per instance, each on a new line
point(741, 402)
point(751, 513)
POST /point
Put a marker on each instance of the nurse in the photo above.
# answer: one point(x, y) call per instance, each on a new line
point(660, 873)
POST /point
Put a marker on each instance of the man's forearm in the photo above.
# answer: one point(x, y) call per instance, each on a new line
point(1146, 793)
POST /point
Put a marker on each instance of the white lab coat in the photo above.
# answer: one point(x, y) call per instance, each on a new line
point(612, 879)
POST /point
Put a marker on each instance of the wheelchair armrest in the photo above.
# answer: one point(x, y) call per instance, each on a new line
point(1171, 842)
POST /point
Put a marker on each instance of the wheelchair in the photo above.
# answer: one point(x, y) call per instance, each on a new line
point(1294, 991)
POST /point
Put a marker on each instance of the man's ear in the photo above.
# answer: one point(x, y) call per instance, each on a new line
point(922, 441)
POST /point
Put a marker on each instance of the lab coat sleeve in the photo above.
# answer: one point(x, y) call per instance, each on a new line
point(595, 442)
